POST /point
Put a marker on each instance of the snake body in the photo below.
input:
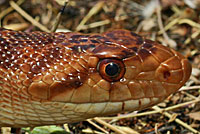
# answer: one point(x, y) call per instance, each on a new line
point(56, 78)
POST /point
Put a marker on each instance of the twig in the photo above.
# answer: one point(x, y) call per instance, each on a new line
point(28, 17)
point(92, 12)
point(8, 10)
point(192, 24)
point(97, 126)
point(178, 121)
point(189, 22)
point(189, 95)
point(190, 88)
point(108, 125)
point(58, 17)
point(91, 131)
point(95, 24)
point(169, 41)
point(129, 115)
point(17, 26)
point(169, 25)
point(197, 81)
point(182, 104)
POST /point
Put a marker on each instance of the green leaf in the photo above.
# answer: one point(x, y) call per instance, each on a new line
point(47, 130)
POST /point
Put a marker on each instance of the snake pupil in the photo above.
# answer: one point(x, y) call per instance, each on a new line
point(112, 69)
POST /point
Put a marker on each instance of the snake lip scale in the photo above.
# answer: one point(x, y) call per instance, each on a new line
point(56, 78)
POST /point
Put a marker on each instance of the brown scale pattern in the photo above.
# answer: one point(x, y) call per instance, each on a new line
point(54, 78)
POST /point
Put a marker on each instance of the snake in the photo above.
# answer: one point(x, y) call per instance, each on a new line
point(66, 77)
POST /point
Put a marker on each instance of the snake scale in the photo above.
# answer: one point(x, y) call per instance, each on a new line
point(56, 78)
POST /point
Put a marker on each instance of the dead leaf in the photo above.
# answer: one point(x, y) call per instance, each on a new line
point(195, 115)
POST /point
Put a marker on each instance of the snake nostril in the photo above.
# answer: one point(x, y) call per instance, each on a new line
point(166, 74)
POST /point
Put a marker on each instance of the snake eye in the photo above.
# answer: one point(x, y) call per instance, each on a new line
point(111, 69)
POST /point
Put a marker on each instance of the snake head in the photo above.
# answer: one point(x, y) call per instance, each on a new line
point(135, 72)
point(122, 71)
point(69, 77)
